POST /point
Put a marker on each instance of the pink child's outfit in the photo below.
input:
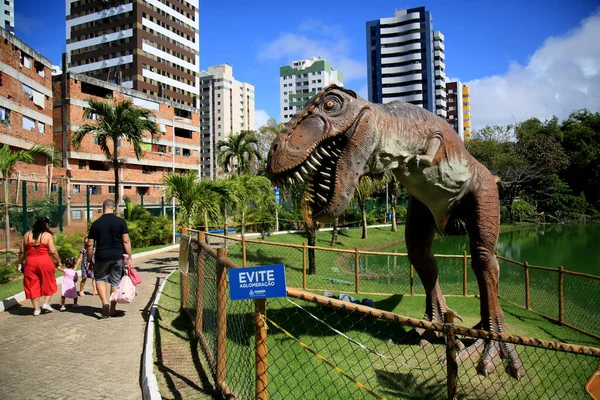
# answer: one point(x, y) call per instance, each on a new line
point(68, 284)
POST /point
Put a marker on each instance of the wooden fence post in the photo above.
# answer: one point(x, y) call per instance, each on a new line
point(412, 279)
point(304, 265)
point(465, 274)
point(527, 287)
point(561, 295)
point(200, 286)
point(356, 267)
point(221, 361)
point(451, 364)
point(260, 343)
point(243, 251)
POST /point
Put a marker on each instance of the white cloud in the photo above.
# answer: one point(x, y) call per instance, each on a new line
point(260, 118)
point(561, 76)
point(330, 44)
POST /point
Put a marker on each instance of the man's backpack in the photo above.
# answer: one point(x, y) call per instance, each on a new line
point(125, 292)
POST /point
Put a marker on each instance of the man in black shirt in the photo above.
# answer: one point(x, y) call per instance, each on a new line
point(110, 236)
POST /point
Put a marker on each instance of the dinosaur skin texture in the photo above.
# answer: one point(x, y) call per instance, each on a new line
point(339, 137)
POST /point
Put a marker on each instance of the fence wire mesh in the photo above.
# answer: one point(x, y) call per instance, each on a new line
point(319, 349)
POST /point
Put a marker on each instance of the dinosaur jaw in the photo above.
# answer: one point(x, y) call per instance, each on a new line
point(325, 172)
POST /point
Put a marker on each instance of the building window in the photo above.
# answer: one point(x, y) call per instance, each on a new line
point(111, 189)
point(35, 186)
point(76, 188)
point(54, 188)
point(81, 164)
point(28, 123)
point(41, 127)
point(186, 153)
point(4, 115)
point(76, 215)
point(177, 151)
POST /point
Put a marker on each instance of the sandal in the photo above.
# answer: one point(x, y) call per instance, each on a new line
point(63, 308)
point(80, 293)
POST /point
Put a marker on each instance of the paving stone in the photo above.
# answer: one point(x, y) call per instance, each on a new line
point(75, 354)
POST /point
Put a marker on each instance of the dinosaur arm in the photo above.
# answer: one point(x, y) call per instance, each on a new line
point(433, 146)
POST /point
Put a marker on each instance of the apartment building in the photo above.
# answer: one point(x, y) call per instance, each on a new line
point(226, 107)
point(175, 149)
point(458, 108)
point(152, 46)
point(406, 61)
point(26, 113)
point(7, 13)
point(301, 81)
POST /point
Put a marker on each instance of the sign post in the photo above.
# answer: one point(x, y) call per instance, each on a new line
point(277, 202)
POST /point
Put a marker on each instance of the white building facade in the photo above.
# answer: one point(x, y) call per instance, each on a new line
point(152, 46)
point(7, 13)
point(406, 61)
point(226, 107)
point(301, 81)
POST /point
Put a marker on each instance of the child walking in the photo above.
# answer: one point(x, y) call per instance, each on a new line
point(87, 269)
point(68, 284)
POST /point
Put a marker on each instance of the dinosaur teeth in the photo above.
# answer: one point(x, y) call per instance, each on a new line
point(290, 180)
point(304, 170)
point(321, 197)
point(314, 160)
point(297, 174)
point(311, 166)
point(324, 187)
point(327, 181)
point(326, 174)
point(324, 152)
point(317, 155)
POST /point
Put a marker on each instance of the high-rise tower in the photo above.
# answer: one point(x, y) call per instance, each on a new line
point(152, 46)
point(405, 60)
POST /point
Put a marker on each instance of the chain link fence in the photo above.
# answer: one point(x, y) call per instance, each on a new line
point(307, 346)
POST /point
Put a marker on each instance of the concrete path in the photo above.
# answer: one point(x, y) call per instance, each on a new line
point(75, 354)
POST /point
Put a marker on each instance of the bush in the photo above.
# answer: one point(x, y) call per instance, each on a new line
point(68, 246)
point(401, 214)
point(523, 210)
point(8, 272)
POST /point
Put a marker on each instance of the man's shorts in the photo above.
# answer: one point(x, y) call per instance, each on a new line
point(110, 271)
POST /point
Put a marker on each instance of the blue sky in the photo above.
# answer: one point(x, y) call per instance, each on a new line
point(521, 58)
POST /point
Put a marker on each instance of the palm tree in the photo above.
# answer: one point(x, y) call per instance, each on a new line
point(249, 190)
point(121, 121)
point(194, 196)
point(8, 160)
point(238, 150)
point(365, 189)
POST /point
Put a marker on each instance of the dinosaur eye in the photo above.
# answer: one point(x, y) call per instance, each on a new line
point(332, 104)
point(329, 105)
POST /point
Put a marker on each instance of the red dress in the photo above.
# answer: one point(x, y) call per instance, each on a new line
point(38, 275)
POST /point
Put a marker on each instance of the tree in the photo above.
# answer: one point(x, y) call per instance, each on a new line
point(365, 189)
point(121, 121)
point(8, 160)
point(194, 196)
point(239, 151)
point(496, 133)
point(249, 189)
point(581, 141)
point(266, 135)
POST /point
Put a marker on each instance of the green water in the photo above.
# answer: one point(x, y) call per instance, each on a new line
point(574, 246)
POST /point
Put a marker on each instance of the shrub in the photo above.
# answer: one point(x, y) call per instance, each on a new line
point(8, 272)
point(401, 214)
point(523, 210)
point(68, 246)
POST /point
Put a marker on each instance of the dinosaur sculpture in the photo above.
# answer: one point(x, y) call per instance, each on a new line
point(339, 137)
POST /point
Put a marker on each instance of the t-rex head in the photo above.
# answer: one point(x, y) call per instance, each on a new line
point(326, 145)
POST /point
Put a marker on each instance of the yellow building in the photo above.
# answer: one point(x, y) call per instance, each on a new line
point(466, 100)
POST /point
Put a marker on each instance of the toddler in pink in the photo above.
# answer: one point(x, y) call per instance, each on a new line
point(69, 289)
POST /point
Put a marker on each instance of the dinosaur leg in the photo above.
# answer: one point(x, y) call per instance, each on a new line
point(482, 221)
point(420, 231)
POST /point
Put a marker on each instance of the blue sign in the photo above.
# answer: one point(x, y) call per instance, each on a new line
point(277, 198)
point(260, 282)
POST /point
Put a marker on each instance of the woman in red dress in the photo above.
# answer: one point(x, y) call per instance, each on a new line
point(38, 252)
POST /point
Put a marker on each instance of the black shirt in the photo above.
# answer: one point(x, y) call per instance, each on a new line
point(107, 233)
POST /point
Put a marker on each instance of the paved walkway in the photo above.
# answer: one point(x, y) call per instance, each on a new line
point(75, 354)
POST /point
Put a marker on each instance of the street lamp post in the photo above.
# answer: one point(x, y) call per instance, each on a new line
point(173, 172)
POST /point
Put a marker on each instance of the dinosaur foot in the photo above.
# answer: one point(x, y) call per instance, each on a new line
point(492, 353)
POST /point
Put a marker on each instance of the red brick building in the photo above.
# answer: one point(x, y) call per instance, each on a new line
point(177, 147)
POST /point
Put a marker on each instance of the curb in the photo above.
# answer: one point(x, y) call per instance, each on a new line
point(149, 384)
point(20, 297)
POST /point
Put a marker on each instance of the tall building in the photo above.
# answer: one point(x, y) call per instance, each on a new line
point(301, 81)
point(226, 107)
point(152, 46)
point(7, 13)
point(405, 60)
point(458, 108)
